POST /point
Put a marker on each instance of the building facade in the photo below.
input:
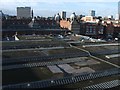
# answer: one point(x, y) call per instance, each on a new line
point(24, 12)
point(109, 30)
point(75, 27)
point(91, 29)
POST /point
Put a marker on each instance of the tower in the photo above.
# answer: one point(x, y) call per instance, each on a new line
point(119, 9)
point(63, 15)
point(24, 12)
point(32, 14)
point(72, 17)
point(92, 13)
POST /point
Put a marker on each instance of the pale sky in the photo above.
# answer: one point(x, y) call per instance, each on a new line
point(52, 7)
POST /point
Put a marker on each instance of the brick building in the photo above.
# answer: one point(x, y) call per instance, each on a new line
point(92, 29)
point(116, 31)
point(29, 26)
point(110, 29)
point(65, 24)
point(73, 26)
point(83, 28)
point(25, 24)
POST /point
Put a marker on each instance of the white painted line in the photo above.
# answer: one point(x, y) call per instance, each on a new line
point(107, 57)
point(98, 45)
point(49, 48)
point(112, 56)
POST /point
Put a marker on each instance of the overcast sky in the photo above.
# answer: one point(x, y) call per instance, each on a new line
point(52, 7)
